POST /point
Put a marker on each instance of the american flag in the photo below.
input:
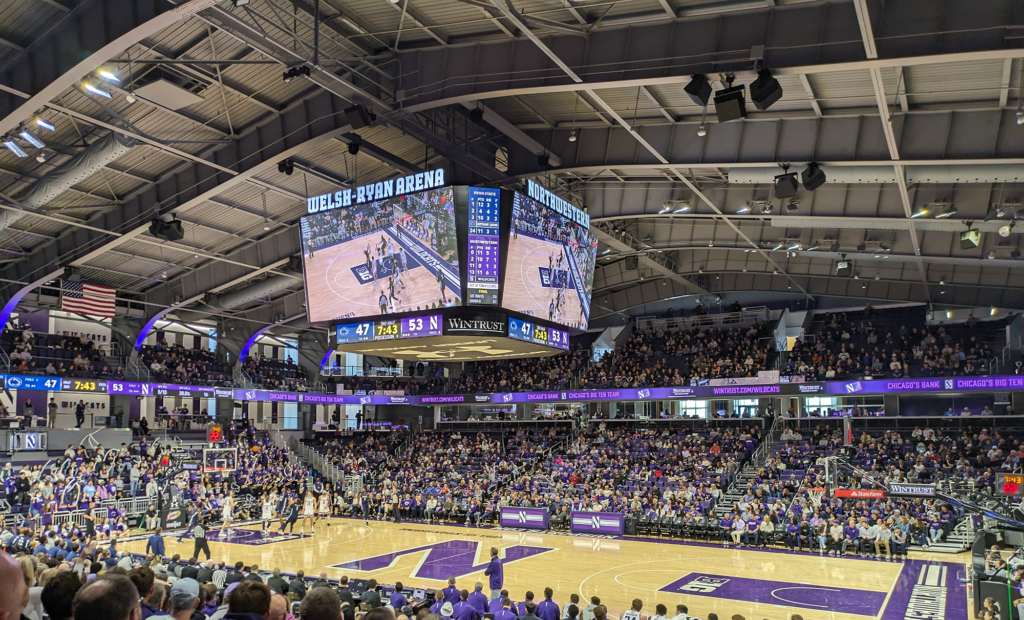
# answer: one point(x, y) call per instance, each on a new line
point(91, 299)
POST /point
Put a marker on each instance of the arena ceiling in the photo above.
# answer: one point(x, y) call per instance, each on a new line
point(907, 106)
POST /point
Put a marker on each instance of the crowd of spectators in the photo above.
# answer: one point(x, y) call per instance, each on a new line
point(546, 373)
point(684, 356)
point(273, 374)
point(67, 354)
point(100, 584)
point(879, 344)
point(174, 363)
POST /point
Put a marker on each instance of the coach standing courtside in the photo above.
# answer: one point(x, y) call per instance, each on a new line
point(496, 572)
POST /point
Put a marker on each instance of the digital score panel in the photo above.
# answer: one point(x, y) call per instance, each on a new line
point(83, 385)
point(1010, 485)
point(355, 332)
point(422, 326)
point(375, 331)
point(483, 262)
point(538, 334)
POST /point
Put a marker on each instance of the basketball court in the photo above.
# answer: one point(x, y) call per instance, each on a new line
point(339, 277)
point(705, 577)
point(533, 282)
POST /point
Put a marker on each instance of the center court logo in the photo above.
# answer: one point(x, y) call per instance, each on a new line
point(451, 558)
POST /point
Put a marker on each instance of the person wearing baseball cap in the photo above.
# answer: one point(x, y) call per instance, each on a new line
point(184, 600)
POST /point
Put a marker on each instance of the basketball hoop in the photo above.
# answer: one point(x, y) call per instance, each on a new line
point(815, 496)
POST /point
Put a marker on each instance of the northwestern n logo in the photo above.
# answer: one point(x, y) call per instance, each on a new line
point(452, 558)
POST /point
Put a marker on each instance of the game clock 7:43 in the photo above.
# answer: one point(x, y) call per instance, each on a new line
point(1010, 484)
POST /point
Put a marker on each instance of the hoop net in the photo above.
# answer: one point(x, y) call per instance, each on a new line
point(815, 496)
point(219, 460)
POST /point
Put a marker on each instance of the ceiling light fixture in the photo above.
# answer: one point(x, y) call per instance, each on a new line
point(702, 130)
point(921, 212)
point(107, 75)
point(777, 248)
point(683, 208)
point(743, 210)
point(665, 208)
point(572, 136)
point(34, 141)
point(130, 98)
point(45, 124)
point(13, 147)
point(97, 91)
point(41, 158)
point(950, 212)
point(1004, 231)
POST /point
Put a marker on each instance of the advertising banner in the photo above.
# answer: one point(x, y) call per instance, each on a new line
point(912, 490)
point(529, 518)
point(598, 523)
point(860, 493)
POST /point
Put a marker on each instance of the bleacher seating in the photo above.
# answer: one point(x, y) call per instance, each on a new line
point(895, 343)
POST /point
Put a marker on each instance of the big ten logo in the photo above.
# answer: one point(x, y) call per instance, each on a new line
point(704, 585)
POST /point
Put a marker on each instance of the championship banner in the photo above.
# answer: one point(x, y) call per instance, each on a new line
point(520, 516)
point(598, 523)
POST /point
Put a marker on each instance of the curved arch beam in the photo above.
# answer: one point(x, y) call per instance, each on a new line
point(99, 30)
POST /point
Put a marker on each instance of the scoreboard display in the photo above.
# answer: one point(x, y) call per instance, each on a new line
point(484, 246)
point(374, 331)
point(83, 385)
point(1010, 485)
point(526, 331)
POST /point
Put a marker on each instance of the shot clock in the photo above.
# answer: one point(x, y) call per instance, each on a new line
point(1011, 485)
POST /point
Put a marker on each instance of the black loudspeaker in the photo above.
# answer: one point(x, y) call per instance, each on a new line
point(168, 231)
point(786, 185)
point(730, 104)
point(358, 117)
point(765, 90)
point(813, 177)
point(630, 526)
point(699, 89)
point(844, 269)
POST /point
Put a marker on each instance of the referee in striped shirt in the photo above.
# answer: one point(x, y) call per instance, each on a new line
point(198, 530)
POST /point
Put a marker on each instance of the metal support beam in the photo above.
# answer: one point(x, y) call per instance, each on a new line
point(867, 34)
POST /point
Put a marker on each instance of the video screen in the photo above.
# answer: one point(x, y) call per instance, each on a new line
point(549, 270)
point(386, 257)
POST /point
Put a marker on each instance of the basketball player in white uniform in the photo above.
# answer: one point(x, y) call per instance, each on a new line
point(229, 505)
point(324, 511)
point(308, 513)
point(268, 512)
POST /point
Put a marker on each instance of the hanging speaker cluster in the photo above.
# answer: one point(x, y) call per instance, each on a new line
point(168, 231)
